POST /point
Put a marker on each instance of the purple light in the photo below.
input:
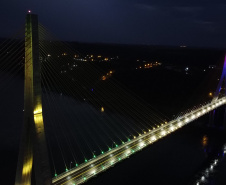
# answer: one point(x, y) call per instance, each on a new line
point(29, 11)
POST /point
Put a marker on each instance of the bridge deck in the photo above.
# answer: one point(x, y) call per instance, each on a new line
point(104, 161)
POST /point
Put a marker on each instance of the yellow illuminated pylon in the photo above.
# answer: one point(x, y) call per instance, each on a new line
point(33, 149)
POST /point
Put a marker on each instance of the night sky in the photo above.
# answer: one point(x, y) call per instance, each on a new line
point(156, 22)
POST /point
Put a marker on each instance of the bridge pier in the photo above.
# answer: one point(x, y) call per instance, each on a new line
point(217, 118)
point(220, 91)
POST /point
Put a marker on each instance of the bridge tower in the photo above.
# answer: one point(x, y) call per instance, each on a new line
point(33, 164)
point(222, 83)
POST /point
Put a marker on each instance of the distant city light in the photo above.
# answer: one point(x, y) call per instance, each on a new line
point(103, 78)
point(29, 11)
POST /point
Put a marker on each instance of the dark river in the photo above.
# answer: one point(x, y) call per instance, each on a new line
point(178, 159)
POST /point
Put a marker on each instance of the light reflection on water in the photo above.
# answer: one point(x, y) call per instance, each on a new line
point(166, 152)
point(204, 141)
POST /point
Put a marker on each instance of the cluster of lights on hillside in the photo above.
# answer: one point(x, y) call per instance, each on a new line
point(107, 75)
point(77, 58)
point(95, 58)
point(149, 65)
point(88, 58)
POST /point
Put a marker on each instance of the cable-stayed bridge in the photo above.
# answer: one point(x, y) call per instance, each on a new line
point(109, 123)
point(106, 160)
